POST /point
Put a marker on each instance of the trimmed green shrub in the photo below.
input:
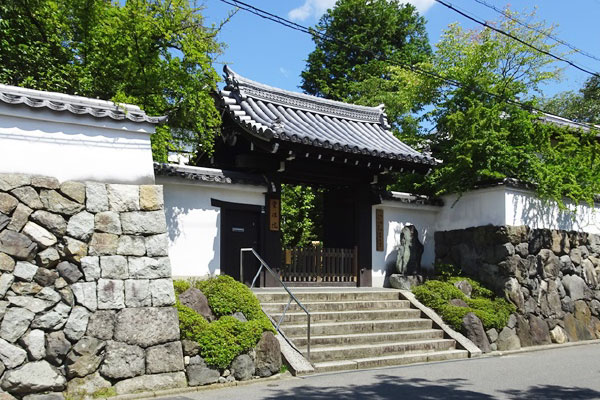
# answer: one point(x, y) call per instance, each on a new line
point(224, 339)
point(492, 311)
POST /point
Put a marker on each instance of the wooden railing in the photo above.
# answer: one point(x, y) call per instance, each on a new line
point(320, 265)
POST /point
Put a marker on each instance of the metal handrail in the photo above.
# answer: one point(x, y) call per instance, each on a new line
point(292, 297)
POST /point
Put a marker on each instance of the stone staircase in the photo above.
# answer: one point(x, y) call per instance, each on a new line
point(355, 328)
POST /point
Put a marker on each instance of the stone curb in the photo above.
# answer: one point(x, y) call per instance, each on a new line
point(543, 347)
point(461, 340)
point(189, 389)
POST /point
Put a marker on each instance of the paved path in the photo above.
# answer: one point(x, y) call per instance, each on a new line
point(562, 373)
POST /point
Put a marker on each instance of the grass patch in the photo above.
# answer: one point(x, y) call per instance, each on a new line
point(104, 393)
point(225, 338)
point(492, 311)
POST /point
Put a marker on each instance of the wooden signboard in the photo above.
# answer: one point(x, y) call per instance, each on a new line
point(274, 214)
point(379, 229)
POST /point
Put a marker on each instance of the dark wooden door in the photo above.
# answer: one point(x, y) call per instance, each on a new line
point(239, 229)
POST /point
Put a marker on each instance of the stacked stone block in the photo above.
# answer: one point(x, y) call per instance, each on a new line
point(551, 276)
point(85, 288)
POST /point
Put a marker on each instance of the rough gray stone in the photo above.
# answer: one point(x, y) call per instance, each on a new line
point(29, 303)
point(53, 319)
point(558, 335)
point(38, 376)
point(25, 271)
point(151, 197)
point(57, 203)
point(7, 264)
point(74, 190)
point(409, 252)
point(548, 263)
point(268, 355)
point(45, 277)
point(114, 267)
point(538, 328)
point(102, 324)
point(123, 197)
point(69, 271)
point(4, 221)
point(84, 387)
point(75, 249)
point(163, 293)
point(85, 357)
point(131, 246)
point(17, 245)
point(197, 301)
point(85, 294)
point(122, 361)
point(567, 304)
point(60, 283)
point(48, 258)
point(53, 222)
point(458, 303)
point(11, 181)
point(44, 182)
point(473, 329)
point(190, 348)
point(492, 334)
point(91, 268)
point(6, 280)
point(508, 340)
point(144, 222)
point(200, 374)
point(77, 323)
point(522, 249)
point(108, 222)
point(96, 197)
point(25, 288)
point(81, 225)
point(49, 294)
point(35, 344)
point(157, 245)
point(7, 203)
point(11, 356)
point(465, 287)
point(242, 367)
point(137, 293)
point(514, 293)
point(111, 295)
point(3, 306)
point(589, 273)
point(574, 286)
point(147, 326)
point(57, 347)
point(239, 316)
point(29, 196)
point(19, 218)
point(40, 235)
point(164, 358)
point(149, 268)
point(104, 244)
point(66, 294)
point(405, 282)
point(149, 383)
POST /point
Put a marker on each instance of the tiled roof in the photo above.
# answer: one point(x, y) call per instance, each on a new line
point(270, 113)
point(560, 121)
point(209, 175)
point(75, 104)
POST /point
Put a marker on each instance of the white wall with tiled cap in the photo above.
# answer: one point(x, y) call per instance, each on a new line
point(74, 147)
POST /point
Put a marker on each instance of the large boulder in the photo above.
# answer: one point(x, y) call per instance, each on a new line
point(409, 251)
point(34, 377)
point(268, 355)
point(540, 334)
point(242, 367)
point(57, 347)
point(85, 357)
point(405, 282)
point(473, 329)
point(198, 373)
point(575, 287)
point(164, 358)
point(196, 300)
point(508, 340)
point(147, 326)
point(148, 383)
point(102, 324)
point(123, 361)
point(10, 355)
point(81, 387)
point(17, 245)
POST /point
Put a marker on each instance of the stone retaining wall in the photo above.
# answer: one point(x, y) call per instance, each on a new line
point(85, 288)
point(551, 276)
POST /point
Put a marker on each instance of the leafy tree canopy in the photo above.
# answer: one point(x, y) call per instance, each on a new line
point(156, 54)
point(301, 208)
point(358, 43)
point(583, 106)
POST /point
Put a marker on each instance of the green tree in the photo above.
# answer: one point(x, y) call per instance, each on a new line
point(156, 54)
point(358, 43)
point(300, 215)
point(583, 106)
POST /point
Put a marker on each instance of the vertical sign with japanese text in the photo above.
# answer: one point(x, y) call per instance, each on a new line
point(274, 214)
point(379, 229)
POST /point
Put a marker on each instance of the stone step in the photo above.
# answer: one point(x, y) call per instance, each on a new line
point(390, 360)
point(345, 316)
point(307, 296)
point(338, 306)
point(342, 328)
point(378, 350)
point(363, 338)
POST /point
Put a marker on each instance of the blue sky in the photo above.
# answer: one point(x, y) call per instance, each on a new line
point(272, 54)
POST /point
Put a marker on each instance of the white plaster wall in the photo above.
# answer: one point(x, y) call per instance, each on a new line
point(74, 147)
point(194, 225)
point(395, 216)
point(524, 208)
point(475, 208)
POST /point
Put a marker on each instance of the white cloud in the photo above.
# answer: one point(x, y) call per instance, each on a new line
point(316, 8)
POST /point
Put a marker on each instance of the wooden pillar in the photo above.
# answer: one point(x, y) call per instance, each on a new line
point(271, 223)
point(363, 234)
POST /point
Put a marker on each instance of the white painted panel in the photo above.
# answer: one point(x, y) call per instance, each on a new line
point(74, 147)
point(475, 208)
point(194, 224)
point(395, 216)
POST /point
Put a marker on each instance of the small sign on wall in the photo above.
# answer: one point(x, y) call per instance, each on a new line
point(378, 229)
point(274, 214)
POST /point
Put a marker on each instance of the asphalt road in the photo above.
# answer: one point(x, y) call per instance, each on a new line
point(562, 373)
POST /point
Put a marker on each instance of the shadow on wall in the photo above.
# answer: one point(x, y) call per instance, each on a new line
point(535, 214)
point(175, 214)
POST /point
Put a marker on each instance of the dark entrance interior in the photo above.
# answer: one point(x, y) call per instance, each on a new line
point(239, 229)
